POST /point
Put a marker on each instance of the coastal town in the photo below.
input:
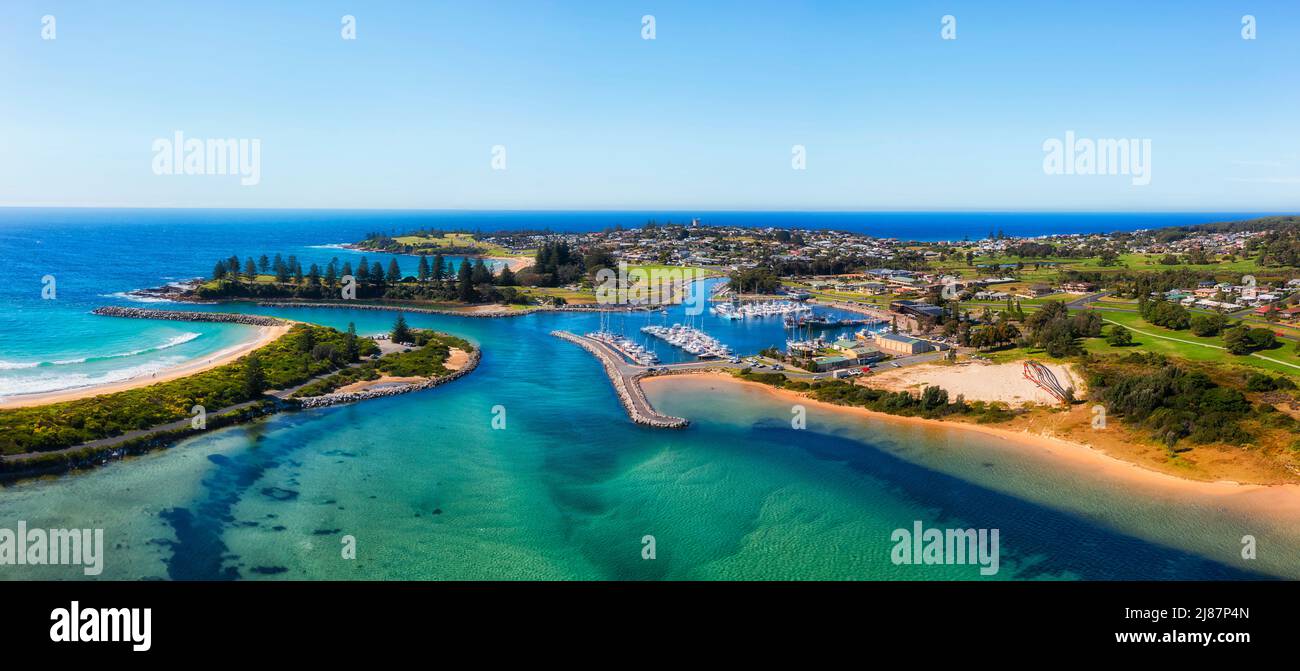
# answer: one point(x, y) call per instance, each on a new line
point(1009, 323)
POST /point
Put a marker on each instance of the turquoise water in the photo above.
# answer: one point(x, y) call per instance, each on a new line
point(95, 257)
point(569, 488)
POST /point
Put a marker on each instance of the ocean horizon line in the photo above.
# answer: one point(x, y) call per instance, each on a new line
point(670, 209)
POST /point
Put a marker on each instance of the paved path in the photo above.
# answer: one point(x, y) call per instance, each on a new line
point(1201, 344)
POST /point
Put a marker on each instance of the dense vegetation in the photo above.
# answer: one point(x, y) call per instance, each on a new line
point(1175, 403)
point(1164, 313)
point(425, 359)
point(436, 279)
point(755, 281)
point(554, 265)
point(1056, 331)
point(304, 352)
point(931, 403)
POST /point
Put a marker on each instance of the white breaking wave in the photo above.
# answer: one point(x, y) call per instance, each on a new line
point(137, 299)
point(44, 384)
point(171, 342)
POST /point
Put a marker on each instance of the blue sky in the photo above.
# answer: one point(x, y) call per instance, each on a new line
point(704, 116)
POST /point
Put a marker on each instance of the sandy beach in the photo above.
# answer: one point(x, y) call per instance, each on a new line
point(265, 334)
point(514, 263)
point(976, 381)
point(1281, 500)
point(456, 359)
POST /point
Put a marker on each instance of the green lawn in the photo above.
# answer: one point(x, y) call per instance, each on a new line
point(1048, 274)
point(1195, 348)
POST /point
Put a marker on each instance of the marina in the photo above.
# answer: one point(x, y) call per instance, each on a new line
point(689, 339)
point(626, 346)
point(823, 322)
point(761, 310)
point(637, 353)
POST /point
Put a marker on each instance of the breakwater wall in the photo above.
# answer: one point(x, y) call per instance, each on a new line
point(184, 316)
point(626, 386)
point(484, 314)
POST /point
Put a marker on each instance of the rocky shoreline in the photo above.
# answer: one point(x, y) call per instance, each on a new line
point(184, 316)
point(348, 305)
point(326, 400)
point(182, 291)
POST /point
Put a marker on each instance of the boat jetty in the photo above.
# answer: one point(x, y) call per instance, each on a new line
point(626, 347)
point(689, 339)
point(760, 310)
point(823, 322)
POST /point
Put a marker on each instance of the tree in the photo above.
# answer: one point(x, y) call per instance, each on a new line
point(250, 269)
point(934, 397)
point(1119, 336)
point(439, 269)
point(254, 376)
point(264, 264)
point(423, 273)
point(281, 270)
point(464, 283)
point(1207, 325)
point(1237, 340)
point(507, 277)
point(363, 271)
point(350, 346)
point(480, 273)
point(219, 270)
point(1261, 339)
point(394, 272)
point(401, 332)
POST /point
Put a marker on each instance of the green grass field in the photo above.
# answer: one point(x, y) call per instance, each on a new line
point(460, 241)
point(1125, 262)
point(1185, 345)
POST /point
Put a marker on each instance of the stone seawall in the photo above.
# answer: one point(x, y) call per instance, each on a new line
point(486, 314)
point(627, 388)
point(184, 316)
point(325, 400)
point(348, 305)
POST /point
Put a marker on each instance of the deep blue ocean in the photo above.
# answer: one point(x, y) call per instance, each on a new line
point(352, 224)
point(569, 488)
